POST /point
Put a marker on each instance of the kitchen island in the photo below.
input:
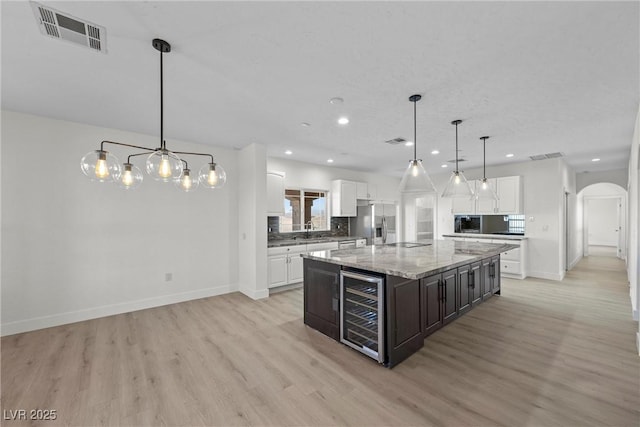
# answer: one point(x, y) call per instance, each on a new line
point(384, 300)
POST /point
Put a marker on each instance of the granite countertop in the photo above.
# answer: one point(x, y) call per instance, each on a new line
point(302, 241)
point(487, 236)
point(411, 263)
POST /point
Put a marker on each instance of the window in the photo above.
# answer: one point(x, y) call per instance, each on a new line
point(304, 209)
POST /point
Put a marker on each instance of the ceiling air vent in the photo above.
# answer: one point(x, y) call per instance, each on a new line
point(546, 156)
point(396, 141)
point(59, 25)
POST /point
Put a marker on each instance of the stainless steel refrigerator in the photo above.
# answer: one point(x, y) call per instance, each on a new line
point(376, 222)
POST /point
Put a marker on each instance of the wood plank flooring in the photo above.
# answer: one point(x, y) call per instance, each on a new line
point(543, 354)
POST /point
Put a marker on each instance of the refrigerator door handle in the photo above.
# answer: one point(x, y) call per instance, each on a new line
point(384, 230)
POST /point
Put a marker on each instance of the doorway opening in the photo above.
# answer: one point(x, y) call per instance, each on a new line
point(603, 213)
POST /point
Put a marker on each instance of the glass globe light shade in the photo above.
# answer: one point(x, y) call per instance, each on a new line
point(163, 165)
point(416, 179)
point(458, 186)
point(131, 177)
point(485, 191)
point(186, 182)
point(212, 175)
point(100, 166)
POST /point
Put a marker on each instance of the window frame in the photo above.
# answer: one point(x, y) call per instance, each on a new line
point(302, 191)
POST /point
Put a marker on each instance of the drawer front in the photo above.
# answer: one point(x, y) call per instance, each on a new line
point(512, 267)
point(281, 250)
point(512, 255)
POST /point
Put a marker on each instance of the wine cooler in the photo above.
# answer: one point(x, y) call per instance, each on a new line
point(362, 313)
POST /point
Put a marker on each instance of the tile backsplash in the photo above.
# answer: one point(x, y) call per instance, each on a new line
point(339, 227)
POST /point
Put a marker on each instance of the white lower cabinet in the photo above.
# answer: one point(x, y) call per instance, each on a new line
point(513, 263)
point(285, 265)
point(277, 267)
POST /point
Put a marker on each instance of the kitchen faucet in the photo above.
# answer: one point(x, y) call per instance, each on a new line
point(308, 226)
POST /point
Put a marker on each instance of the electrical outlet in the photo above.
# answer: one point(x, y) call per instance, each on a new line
point(168, 277)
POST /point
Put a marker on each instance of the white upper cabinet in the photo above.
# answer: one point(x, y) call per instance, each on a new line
point(343, 198)
point(510, 198)
point(464, 205)
point(509, 191)
point(365, 191)
point(275, 193)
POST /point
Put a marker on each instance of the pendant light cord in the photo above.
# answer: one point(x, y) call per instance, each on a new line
point(162, 144)
point(415, 141)
point(456, 147)
point(484, 158)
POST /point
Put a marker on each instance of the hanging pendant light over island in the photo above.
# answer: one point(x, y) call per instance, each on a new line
point(458, 186)
point(415, 178)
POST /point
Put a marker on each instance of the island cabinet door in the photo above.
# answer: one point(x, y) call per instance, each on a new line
point(495, 283)
point(321, 297)
point(486, 278)
point(450, 291)
point(464, 289)
point(475, 283)
point(432, 308)
point(404, 325)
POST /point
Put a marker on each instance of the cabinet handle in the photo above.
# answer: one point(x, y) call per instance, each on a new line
point(439, 290)
point(444, 290)
point(472, 278)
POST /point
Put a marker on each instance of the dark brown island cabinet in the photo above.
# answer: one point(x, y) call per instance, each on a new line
point(413, 309)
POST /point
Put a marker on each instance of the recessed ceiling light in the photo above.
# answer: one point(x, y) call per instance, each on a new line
point(409, 143)
point(444, 166)
point(434, 152)
point(288, 152)
point(305, 124)
point(509, 155)
point(343, 120)
point(336, 101)
point(329, 160)
point(595, 160)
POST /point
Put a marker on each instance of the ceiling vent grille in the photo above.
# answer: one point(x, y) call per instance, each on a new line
point(395, 141)
point(59, 25)
point(546, 156)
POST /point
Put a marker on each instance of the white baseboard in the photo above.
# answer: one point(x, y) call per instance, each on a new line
point(546, 275)
point(575, 261)
point(253, 294)
point(33, 324)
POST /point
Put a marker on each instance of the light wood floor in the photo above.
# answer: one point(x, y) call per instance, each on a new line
point(543, 354)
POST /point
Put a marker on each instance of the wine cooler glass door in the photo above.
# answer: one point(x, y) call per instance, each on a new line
point(362, 313)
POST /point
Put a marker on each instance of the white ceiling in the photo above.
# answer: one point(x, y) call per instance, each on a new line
point(538, 77)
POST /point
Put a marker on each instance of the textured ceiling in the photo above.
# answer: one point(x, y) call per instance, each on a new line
point(538, 77)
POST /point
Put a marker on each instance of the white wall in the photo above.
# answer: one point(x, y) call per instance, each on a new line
point(252, 233)
point(602, 218)
point(306, 175)
point(616, 176)
point(74, 249)
point(633, 188)
point(544, 185)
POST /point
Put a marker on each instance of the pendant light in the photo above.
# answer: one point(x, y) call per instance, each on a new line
point(457, 185)
point(415, 178)
point(485, 190)
point(161, 163)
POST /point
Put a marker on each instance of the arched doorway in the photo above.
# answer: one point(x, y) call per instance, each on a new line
point(602, 208)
